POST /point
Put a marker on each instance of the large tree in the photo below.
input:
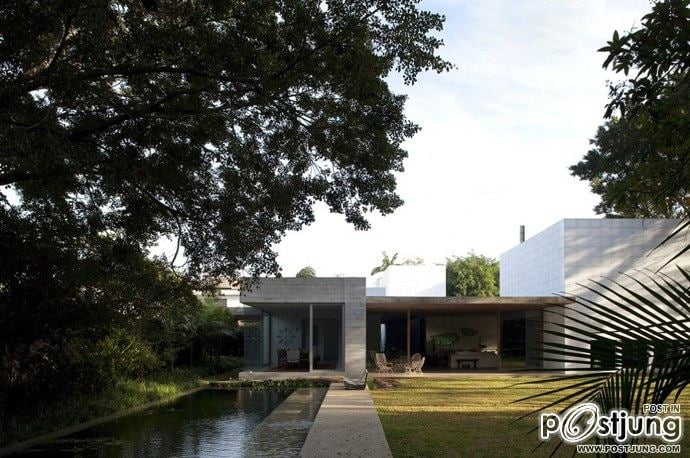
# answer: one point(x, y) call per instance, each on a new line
point(472, 275)
point(218, 123)
point(639, 163)
point(215, 123)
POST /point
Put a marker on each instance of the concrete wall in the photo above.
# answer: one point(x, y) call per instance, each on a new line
point(349, 292)
point(571, 253)
point(606, 247)
point(420, 281)
point(535, 267)
point(574, 251)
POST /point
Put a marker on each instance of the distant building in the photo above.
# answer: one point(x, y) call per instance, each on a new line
point(419, 280)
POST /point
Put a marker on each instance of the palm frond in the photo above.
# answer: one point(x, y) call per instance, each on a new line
point(618, 345)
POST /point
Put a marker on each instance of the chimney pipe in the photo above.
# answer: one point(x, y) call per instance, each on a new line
point(522, 234)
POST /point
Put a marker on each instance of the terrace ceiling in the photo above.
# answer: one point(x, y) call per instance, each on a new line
point(461, 304)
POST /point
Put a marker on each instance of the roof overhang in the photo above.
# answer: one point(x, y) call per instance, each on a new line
point(462, 304)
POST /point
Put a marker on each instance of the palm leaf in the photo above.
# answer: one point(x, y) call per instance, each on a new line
point(640, 332)
point(684, 224)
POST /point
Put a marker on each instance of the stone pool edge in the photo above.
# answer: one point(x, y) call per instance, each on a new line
point(20, 446)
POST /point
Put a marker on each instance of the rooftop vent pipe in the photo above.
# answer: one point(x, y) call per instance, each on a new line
point(522, 234)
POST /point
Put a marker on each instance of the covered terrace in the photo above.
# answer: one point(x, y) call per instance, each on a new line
point(459, 333)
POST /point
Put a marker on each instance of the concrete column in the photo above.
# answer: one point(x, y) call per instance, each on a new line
point(408, 334)
point(311, 337)
point(499, 329)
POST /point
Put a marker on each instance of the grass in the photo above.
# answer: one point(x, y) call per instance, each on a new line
point(472, 416)
point(123, 394)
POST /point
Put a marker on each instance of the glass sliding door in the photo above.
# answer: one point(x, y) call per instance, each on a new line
point(253, 336)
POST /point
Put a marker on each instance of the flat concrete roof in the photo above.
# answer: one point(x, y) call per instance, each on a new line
point(462, 304)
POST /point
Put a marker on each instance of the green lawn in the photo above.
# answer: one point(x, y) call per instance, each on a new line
point(471, 416)
point(123, 394)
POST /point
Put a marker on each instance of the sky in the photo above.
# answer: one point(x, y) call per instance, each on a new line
point(498, 135)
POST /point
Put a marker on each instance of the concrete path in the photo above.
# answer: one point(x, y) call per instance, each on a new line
point(347, 425)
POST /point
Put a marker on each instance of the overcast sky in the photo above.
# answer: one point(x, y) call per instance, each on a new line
point(498, 135)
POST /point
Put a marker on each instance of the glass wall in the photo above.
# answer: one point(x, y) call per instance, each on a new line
point(252, 330)
point(289, 348)
point(280, 338)
point(520, 338)
point(327, 335)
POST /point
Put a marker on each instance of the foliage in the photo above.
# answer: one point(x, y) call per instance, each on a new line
point(45, 415)
point(61, 299)
point(626, 346)
point(272, 384)
point(222, 364)
point(122, 354)
point(472, 275)
point(217, 123)
point(214, 323)
point(387, 261)
point(306, 272)
point(640, 160)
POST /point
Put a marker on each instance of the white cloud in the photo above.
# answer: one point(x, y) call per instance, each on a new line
point(497, 136)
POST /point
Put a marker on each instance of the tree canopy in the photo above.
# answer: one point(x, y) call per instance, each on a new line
point(306, 272)
point(472, 275)
point(639, 163)
point(217, 123)
point(388, 261)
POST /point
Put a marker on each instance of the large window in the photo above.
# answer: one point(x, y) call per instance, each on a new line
point(327, 335)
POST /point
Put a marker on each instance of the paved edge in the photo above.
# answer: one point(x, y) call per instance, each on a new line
point(347, 425)
point(20, 446)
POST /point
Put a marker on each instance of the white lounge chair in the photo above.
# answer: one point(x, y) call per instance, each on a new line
point(357, 383)
point(420, 363)
point(411, 367)
point(381, 363)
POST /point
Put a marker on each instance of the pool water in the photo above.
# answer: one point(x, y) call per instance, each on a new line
point(206, 423)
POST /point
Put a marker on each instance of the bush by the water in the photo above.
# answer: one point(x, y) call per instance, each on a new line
point(93, 323)
point(275, 384)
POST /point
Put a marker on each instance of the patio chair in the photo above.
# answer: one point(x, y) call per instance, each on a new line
point(411, 367)
point(292, 357)
point(282, 357)
point(418, 368)
point(381, 363)
point(357, 383)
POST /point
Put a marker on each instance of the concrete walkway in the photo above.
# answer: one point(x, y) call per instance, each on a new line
point(347, 425)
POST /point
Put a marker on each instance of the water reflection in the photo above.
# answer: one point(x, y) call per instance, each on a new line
point(207, 423)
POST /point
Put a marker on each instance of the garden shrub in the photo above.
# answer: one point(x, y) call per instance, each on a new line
point(122, 354)
point(223, 364)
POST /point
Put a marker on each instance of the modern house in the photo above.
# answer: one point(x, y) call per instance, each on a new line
point(332, 325)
